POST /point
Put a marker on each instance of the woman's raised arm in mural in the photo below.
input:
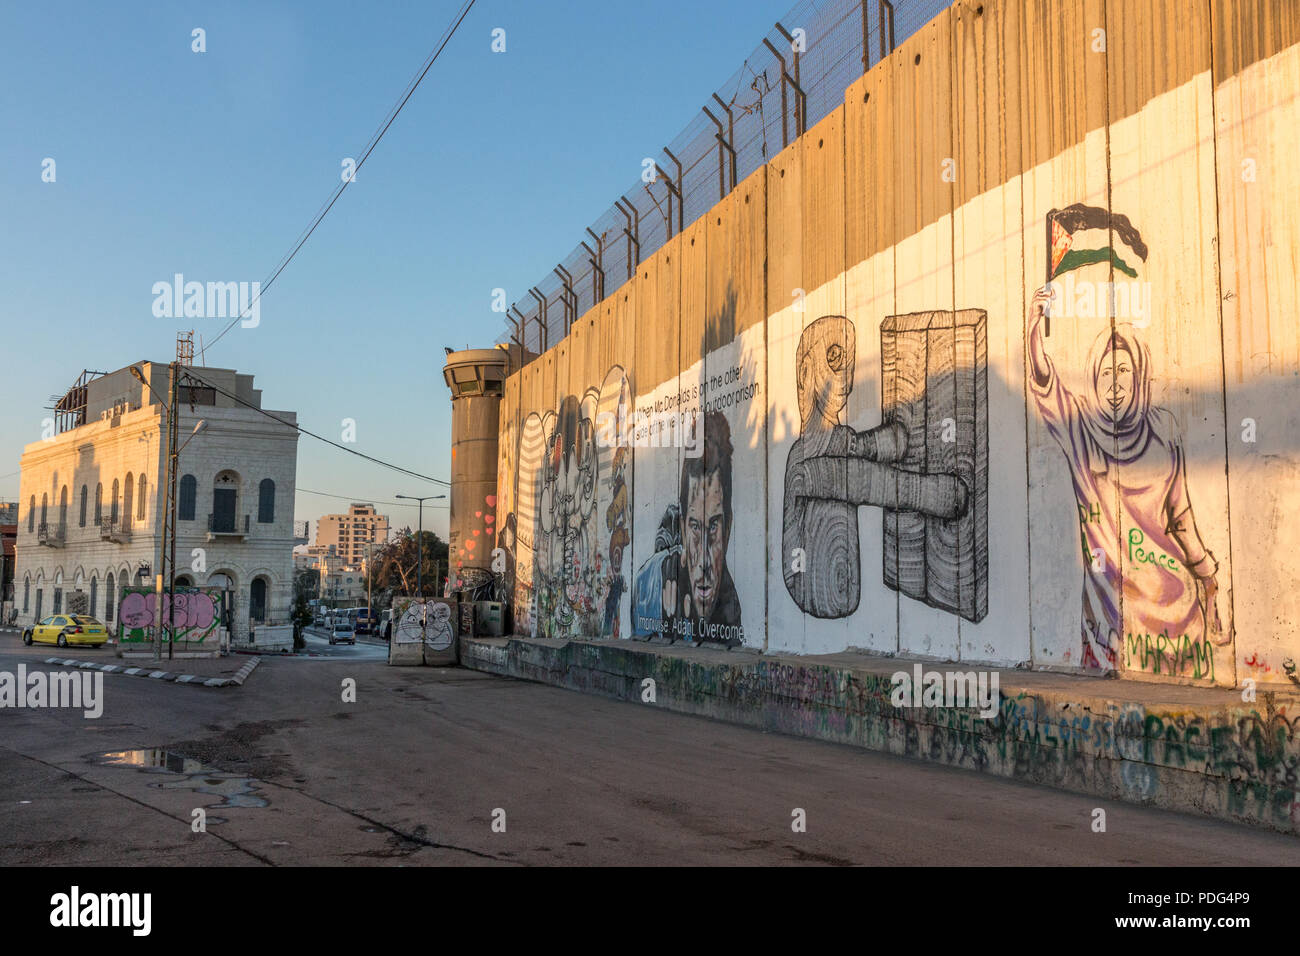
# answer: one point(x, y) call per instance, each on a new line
point(1040, 366)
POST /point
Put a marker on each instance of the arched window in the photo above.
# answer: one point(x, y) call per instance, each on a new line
point(109, 594)
point(63, 507)
point(257, 600)
point(45, 508)
point(188, 493)
point(99, 502)
point(94, 594)
point(225, 502)
point(112, 505)
point(27, 593)
point(266, 501)
point(31, 516)
point(128, 499)
point(85, 495)
point(140, 495)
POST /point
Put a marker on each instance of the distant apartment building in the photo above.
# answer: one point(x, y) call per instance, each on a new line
point(341, 585)
point(93, 497)
point(8, 541)
point(8, 544)
point(350, 533)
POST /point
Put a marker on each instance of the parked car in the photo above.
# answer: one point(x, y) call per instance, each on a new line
point(65, 629)
point(341, 632)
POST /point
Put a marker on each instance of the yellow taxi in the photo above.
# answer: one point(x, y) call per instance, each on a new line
point(65, 629)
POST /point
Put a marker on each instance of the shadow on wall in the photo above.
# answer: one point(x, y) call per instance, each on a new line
point(1131, 566)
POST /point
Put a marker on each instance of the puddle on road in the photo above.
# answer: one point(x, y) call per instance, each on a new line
point(186, 773)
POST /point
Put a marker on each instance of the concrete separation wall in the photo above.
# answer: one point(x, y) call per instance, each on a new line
point(1195, 750)
point(997, 363)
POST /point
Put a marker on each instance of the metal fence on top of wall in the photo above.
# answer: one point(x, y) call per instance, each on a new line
point(795, 77)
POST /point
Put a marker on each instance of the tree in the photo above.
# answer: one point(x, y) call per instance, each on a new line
point(306, 584)
point(393, 566)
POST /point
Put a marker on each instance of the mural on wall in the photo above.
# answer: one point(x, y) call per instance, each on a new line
point(924, 464)
point(569, 549)
point(193, 613)
point(685, 589)
point(1148, 576)
point(426, 621)
point(473, 556)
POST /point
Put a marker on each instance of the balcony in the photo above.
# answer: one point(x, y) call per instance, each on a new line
point(51, 535)
point(223, 527)
point(114, 529)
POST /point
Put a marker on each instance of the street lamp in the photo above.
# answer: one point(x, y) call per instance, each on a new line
point(419, 540)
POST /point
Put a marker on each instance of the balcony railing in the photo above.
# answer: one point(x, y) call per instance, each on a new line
point(114, 529)
point(51, 535)
point(226, 526)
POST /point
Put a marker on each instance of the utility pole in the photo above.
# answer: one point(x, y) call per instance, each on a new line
point(170, 406)
point(174, 433)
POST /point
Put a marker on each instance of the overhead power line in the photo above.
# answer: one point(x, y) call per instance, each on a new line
point(311, 434)
point(374, 141)
point(362, 498)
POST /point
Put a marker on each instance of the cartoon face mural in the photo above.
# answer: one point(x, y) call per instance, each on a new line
point(825, 360)
point(568, 501)
point(1146, 569)
point(568, 549)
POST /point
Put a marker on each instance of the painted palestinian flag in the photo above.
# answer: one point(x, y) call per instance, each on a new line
point(1080, 235)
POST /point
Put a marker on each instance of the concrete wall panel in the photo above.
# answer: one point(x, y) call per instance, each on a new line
point(881, 272)
point(988, 274)
point(1257, 137)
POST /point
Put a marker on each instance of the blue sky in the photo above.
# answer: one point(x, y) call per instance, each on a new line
point(211, 164)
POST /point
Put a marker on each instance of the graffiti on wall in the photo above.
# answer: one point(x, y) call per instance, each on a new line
point(571, 526)
point(191, 614)
point(926, 464)
point(685, 590)
point(1149, 584)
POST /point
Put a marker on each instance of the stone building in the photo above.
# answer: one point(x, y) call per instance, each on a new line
point(92, 498)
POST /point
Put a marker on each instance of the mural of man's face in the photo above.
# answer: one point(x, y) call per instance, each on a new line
point(706, 531)
point(1115, 383)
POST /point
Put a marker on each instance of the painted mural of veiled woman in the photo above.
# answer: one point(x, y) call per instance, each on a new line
point(1128, 469)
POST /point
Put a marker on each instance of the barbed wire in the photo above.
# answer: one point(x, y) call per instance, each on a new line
point(794, 78)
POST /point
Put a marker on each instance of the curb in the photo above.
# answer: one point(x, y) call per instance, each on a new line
point(1204, 751)
point(236, 681)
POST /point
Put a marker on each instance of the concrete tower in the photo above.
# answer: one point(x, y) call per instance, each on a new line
point(476, 378)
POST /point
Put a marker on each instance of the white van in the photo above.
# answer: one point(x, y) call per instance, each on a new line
point(341, 631)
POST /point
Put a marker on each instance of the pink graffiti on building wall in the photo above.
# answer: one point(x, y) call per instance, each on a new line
point(182, 611)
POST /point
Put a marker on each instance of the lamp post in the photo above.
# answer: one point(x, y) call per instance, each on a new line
point(419, 551)
point(419, 539)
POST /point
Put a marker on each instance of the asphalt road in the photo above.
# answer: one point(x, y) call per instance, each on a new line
point(415, 769)
point(366, 648)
